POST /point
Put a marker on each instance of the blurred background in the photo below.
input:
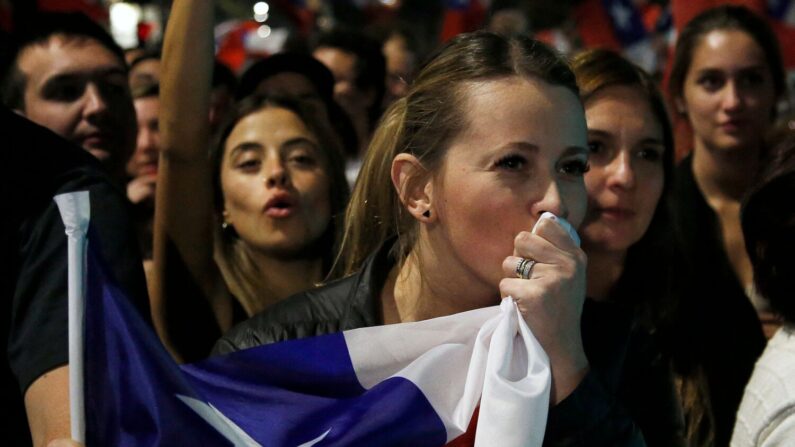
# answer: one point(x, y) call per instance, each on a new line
point(245, 30)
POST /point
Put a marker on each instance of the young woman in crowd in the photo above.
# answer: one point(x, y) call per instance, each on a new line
point(766, 415)
point(625, 235)
point(726, 77)
point(490, 135)
point(252, 224)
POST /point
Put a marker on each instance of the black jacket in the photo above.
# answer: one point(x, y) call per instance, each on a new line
point(590, 416)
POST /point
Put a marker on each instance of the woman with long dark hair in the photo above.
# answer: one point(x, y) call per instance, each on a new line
point(253, 223)
point(725, 79)
point(626, 235)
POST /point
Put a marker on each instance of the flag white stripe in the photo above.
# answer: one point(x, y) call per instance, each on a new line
point(487, 356)
point(227, 427)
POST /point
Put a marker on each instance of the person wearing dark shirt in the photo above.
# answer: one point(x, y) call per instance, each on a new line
point(67, 74)
point(626, 235)
point(726, 77)
point(38, 165)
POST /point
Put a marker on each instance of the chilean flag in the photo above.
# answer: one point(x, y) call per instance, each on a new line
point(461, 16)
point(617, 25)
point(782, 19)
point(413, 384)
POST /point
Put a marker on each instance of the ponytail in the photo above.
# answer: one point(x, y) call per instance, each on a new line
point(374, 213)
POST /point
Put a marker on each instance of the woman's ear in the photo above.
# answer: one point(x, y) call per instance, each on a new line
point(225, 221)
point(414, 186)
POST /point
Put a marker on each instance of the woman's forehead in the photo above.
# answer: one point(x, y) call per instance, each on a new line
point(522, 109)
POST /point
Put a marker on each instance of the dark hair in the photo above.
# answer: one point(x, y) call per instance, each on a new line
point(424, 122)
point(382, 33)
point(370, 63)
point(648, 261)
point(153, 54)
point(318, 75)
point(302, 64)
point(41, 30)
point(722, 18)
point(768, 223)
point(224, 76)
point(232, 249)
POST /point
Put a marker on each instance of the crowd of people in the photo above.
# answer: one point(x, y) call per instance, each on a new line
point(353, 186)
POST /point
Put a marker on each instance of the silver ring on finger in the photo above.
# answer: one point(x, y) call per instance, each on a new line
point(528, 269)
point(524, 268)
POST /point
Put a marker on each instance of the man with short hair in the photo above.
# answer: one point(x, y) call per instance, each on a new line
point(67, 74)
point(359, 72)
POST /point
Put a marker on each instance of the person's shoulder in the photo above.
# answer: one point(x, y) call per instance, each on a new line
point(42, 164)
point(324, 303)
point(769, 398)
point(775, 369)
point(312, 312)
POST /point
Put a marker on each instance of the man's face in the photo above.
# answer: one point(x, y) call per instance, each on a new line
point(78, 89)
point(342, 65)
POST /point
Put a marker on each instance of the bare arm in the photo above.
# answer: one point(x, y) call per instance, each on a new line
point(47, 406)
point(183, 206)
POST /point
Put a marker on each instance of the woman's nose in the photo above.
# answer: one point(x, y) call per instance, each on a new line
point(732, 97)
point(552, 202)
point(275, 174)
point(621, 172)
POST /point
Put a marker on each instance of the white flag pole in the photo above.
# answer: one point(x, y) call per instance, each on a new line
point(76, 213)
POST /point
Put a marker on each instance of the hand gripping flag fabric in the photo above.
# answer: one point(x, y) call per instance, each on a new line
point(412, 384)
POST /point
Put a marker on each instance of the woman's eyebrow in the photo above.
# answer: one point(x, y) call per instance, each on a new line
point(299, 142)
point(245, 146)
point(599, 133)
point(521, 145)
point(718, 70)
point(652, 140)
point(575, 150)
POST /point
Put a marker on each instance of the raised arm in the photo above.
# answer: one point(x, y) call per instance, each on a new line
point(183, 246)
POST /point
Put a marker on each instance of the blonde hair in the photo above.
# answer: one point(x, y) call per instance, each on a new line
point(424, 122)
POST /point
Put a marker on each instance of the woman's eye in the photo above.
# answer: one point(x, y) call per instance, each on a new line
point(650, 154)
point(751, 79)
point(251, 164)
point(711, 82)
point(302, 159)
point(575, 167)
point(511, 162)
point(595, 147)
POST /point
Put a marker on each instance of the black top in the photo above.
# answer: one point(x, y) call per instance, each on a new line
point(37, 165)
point(624, 363)
point(188, 316)
point(717, 328)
